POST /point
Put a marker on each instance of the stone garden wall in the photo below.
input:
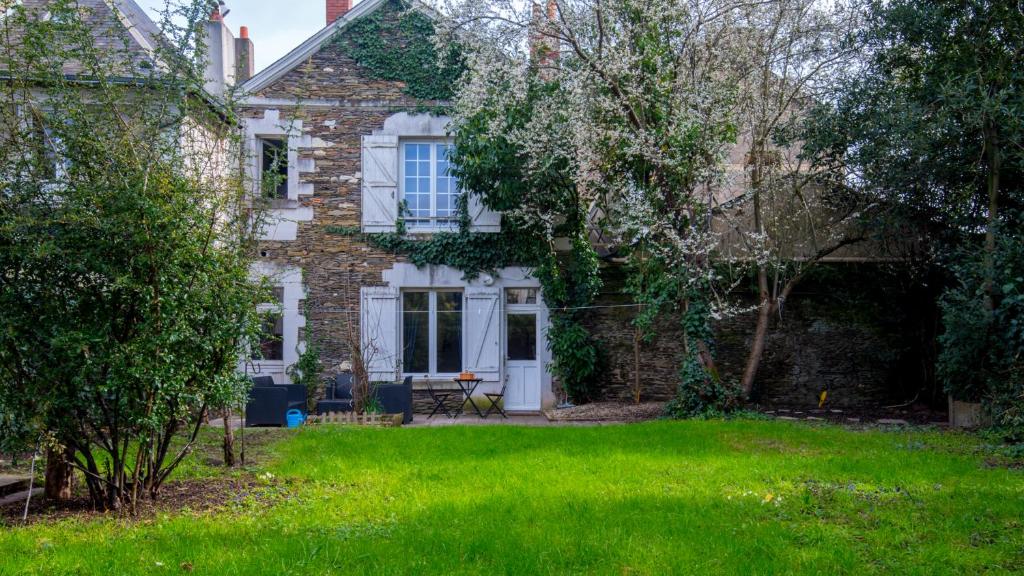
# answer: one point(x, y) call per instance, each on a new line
point(853, 332)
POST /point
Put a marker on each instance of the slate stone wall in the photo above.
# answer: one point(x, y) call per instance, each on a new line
point(339, 102)
point(854, 333)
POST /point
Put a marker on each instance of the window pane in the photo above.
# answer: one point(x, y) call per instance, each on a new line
point(416, 183)
point(416, 301)
point(275, 167)
point(521, 296)
point(522, 336)
point(449, 332)
point(415, 332)
point(271, 339)
point(446, 184)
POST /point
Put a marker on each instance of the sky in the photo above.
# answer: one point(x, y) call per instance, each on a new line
point(275, 26)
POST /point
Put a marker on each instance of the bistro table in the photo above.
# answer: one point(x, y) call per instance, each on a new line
point(468, 387)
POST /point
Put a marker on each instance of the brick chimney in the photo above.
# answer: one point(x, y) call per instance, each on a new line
point(544, 50)
point(336, 9)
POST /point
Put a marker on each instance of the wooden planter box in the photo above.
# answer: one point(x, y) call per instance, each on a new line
point(967, 414)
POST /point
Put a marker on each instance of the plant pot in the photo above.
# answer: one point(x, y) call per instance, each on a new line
point(966, 414)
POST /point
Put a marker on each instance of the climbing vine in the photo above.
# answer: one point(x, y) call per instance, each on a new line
point(397, 43)
point(465, 250)
point(544, 201)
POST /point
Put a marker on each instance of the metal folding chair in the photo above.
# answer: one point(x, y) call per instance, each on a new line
point(494, 398)
point(439, 399)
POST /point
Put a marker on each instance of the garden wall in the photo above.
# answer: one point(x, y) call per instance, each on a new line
point(853, 329)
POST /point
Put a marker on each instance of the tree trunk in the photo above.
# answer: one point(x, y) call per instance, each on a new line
point(764, 314)
point(636, 365)
point(229, 440)
point(993, 154)
point(764, 311)
point(60, 477)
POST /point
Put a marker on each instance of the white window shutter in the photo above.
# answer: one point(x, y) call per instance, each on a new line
point(379, 330)
point(482, 218)
point(380, 183)
point(483, 333)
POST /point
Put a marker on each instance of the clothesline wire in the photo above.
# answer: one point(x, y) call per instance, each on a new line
point(557, 309)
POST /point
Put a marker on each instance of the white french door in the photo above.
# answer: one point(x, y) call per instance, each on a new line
point(522, 361)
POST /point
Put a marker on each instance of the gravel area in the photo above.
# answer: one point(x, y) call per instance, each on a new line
point(607, 412)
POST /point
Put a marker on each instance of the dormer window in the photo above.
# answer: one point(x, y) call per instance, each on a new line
point(430, 193)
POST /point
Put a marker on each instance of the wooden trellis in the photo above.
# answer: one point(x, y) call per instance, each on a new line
point(352, 418)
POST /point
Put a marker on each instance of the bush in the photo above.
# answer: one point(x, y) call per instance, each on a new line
point(702, 393)
point(982, 351)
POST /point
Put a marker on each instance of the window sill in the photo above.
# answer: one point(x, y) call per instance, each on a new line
point(427, 231)
point(284, 204)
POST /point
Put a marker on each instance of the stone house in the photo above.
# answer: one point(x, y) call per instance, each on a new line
point(354, 145)
point(358, 147)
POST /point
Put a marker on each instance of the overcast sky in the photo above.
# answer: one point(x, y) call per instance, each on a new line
point(275, 26)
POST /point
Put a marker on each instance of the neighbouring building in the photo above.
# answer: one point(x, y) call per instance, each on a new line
point(131, 43)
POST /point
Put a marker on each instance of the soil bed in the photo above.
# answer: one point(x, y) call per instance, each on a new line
point(193, 495)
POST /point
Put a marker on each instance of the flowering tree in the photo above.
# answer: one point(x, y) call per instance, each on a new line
point(785, 214)
point(125, 245)
point(616, 118)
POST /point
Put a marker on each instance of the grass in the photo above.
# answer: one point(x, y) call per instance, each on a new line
point(733, 497)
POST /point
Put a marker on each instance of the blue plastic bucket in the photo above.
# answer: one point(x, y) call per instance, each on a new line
point(295, 418)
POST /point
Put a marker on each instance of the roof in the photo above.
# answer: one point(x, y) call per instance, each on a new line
point(141, 33)
point(139, 24)
point(314, 43)
point(123, 28)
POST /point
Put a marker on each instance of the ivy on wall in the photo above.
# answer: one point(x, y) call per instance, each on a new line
point(396, 43)
point(465, 250)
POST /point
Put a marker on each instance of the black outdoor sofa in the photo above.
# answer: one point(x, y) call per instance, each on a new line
point(269, 403)
point(338, 396)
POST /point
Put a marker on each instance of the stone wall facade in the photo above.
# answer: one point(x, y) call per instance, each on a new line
point(334, 103)
point(338, 102)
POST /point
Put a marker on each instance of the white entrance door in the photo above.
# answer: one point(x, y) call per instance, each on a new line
point(522, 363)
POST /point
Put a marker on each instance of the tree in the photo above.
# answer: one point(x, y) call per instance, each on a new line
point(931, 124)
point(125, 244)
point(786, 216)
point(541, 202)
point(615, 117)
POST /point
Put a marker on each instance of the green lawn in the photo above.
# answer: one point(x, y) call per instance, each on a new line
point(735, 497)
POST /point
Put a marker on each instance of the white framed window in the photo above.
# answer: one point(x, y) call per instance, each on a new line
point(521, 296)
point(273, 159)
point(432, 332)
point(430, 194)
